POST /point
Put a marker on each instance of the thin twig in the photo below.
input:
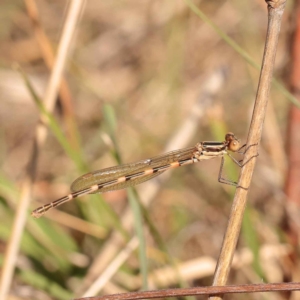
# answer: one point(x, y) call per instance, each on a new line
point(275, 11)
point(210, 290)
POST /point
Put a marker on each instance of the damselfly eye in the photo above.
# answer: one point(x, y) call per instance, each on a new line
point(234, 146)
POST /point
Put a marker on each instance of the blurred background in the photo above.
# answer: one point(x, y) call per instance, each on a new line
point(142, 78)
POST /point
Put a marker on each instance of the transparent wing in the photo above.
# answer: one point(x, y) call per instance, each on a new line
point(106, 175)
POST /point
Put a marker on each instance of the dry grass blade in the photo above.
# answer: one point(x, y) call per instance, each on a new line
point(70, 221)
point(275, 11)
point(49, 58)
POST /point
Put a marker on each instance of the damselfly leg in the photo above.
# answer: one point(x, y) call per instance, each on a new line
point(240, 163)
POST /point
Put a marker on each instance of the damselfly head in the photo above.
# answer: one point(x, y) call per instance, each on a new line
point(233, 144)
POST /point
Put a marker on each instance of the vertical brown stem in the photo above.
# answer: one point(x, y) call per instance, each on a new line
point(275, 11)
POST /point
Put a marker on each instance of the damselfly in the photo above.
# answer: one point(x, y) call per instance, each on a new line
point(123, 176)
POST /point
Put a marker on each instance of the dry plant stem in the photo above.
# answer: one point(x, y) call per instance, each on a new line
point(186, 131)
point(112, 268)
point(49, 58)
point(78, 224)
point(275, 11)
point(11, 252)
point(216, 290)
point(292, 187)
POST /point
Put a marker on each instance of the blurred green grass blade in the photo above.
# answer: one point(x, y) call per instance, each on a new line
point(110, 122)
point(222, 34)
point(111, 125)
point(55, 128)
point(53, 124)
point(252, 241)
point(162, 245)
point(55, 234)
point(138, 223)
point(41, 282)
point(98, 210)
point(180, 218)
point(108, 217)
point(29, 244)
point(7, 187)
point(36, 250)
point(176, 46)
point(285, 92)
point(239, 50)
point(154, 232)
point(110, 119)
point(53, 254)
